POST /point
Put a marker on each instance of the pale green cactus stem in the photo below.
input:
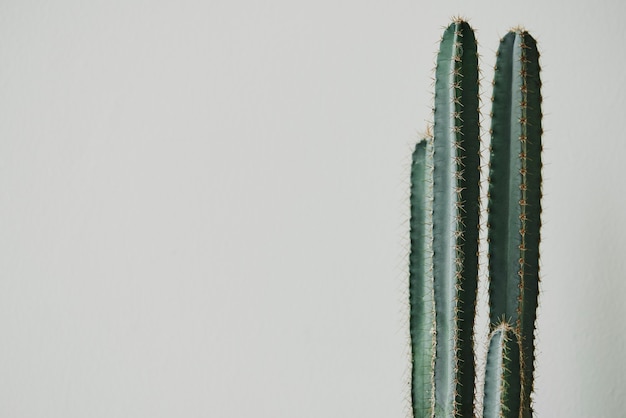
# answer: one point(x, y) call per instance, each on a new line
point(502, 375)
point(515, 198)
point(421, 284)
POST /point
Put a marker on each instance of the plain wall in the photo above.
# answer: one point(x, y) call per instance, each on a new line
point(203, 204)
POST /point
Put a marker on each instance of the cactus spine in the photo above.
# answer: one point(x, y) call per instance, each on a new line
point(444, 232)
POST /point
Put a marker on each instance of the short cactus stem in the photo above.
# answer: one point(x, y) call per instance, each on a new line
point(502, 375)
point(421, 281)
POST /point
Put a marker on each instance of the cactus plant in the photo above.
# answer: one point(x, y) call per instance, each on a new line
point(445, 210)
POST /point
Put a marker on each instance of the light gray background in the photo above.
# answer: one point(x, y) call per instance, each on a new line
point(203, 204)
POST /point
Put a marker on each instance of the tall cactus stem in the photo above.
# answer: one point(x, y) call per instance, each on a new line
point(455, 219)
point(515, 197)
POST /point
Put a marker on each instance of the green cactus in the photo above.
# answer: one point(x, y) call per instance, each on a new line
point(515, 196)
point(502, 376)
point(421, 292)
point(454, 234)
point(445, 210)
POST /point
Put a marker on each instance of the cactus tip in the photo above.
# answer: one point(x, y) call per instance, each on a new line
point(459, 19)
